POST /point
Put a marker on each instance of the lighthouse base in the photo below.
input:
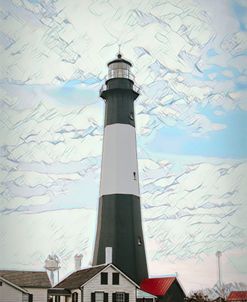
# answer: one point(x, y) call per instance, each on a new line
point(120, 227)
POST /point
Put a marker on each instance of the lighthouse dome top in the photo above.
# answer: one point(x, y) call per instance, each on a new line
point(119, 59)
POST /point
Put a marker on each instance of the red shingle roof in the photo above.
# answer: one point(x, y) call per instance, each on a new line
point(237, 296)
point(157, 286)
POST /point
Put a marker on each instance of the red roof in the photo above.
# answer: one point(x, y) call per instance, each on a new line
point(237, 296)
point(157, 286)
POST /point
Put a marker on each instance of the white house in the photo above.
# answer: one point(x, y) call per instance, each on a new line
point(10, 292)
point(23, 286)
point(102, 283)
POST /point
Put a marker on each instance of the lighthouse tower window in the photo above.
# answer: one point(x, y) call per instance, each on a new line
point(139, 241)
point(131, 116)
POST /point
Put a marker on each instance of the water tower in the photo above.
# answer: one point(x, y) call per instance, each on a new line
point(52, 265)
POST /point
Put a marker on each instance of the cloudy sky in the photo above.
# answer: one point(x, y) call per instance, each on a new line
point(190, 60)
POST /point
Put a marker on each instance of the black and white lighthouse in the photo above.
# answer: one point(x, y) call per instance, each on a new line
point(119, 213)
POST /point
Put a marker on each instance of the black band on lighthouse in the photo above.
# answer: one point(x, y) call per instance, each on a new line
point(120, 227)
point(119, 97)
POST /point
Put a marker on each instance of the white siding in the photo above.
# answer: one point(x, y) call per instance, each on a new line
point(9, 293)
point(124, 286)
point(39, 294)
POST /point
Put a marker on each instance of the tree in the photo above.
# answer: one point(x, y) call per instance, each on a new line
point(197, 297)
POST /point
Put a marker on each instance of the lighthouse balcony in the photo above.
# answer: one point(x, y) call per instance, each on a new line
point(106, 87)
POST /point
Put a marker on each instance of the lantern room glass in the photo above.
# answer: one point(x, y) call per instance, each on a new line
point(119, 70)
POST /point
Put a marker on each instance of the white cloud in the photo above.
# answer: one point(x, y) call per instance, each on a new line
point(17, 202)
point(46, 233)
point(239, 97)
point(235, 43)
point(204, 202)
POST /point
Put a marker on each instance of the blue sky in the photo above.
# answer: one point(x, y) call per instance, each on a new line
point(230, 142)
point(241, 13)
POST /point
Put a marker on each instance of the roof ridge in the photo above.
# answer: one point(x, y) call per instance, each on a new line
point(91, 267)
point(153, 278)
point(39, 279)
point(14, 270)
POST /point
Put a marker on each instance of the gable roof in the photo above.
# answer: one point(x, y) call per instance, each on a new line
point(27, 278)
point(78, 278)
point(14, 285)
point(81, 277)
point(237, 296)
point(128, 278)
point(157, 286)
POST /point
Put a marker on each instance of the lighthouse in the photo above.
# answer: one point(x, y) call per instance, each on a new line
point(119, 213)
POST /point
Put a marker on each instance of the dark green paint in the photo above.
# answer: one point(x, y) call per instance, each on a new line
point(119, 60)
point(119, 98)
point(120, 227)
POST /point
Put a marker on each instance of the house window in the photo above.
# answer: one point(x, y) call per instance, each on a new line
point(104, 278)
point(115, 278)
point(1, 283)
point(75, 297)
point(99, 297)
point(120, 297)
point(57, 299)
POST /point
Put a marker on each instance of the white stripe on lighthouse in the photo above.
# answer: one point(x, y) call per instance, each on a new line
point(119, 170)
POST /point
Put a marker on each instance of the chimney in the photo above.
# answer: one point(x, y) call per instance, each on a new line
point(78, 258)
point(108, 255)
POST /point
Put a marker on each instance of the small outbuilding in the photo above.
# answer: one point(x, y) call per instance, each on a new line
point(23, 286)
point(237, 296)
point(166, 289)
point(13, 293)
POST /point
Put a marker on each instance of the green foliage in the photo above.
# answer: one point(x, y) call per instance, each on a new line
point(200, 297)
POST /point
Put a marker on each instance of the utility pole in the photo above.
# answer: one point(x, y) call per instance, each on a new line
point(218, 255)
